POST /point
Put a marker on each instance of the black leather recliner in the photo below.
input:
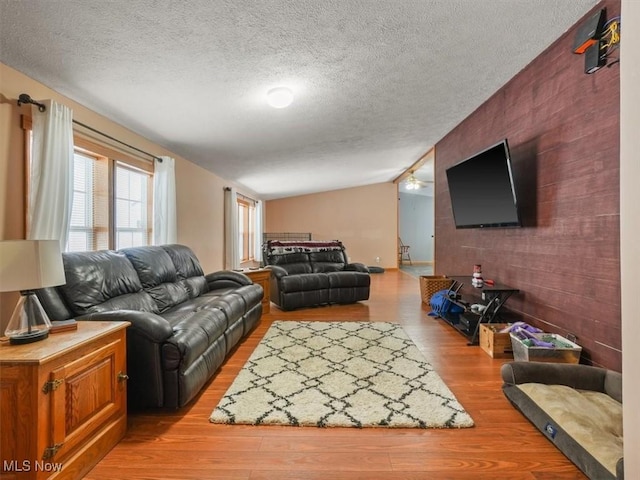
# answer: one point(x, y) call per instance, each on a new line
point(311, 273)
point(183, 323)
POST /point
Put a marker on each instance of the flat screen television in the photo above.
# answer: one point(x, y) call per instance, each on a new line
point(482, 190)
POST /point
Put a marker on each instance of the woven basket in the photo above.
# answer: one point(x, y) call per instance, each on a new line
point(430, 284)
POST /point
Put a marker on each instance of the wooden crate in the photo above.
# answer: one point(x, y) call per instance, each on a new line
point(497, 345)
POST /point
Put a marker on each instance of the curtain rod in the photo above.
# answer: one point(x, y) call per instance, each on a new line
point(228, 189)
point(247, 198)
point(25, 98)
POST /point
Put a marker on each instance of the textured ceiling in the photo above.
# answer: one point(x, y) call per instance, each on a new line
point(376, 83)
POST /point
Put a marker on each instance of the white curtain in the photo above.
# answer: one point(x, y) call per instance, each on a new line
point(51, 174)
point(231, 230)
point(165, 222)
point(259, 230)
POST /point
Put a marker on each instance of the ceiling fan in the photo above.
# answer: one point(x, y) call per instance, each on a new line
point(412, 183)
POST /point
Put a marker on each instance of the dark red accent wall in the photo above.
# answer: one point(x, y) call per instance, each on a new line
point(563, 131)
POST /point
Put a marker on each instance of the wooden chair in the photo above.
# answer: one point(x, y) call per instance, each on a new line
point(403, 252)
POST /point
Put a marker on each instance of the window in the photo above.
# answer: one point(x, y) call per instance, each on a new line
point(246, 228)
point(132, 207)
point(81, 232)
point(100, 220)
point(89, 228)
point(112, 197)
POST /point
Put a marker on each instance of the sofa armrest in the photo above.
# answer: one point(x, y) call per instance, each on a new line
point(146, 324)
point(226, 279)
point(277, 271)
point(356, 267)
point(145, 337)
point(581, 377)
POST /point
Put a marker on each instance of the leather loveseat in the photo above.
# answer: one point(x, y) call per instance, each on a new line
point(311, 273)
point(183, 323)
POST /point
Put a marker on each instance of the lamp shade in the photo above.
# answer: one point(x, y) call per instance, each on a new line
point(30, 264)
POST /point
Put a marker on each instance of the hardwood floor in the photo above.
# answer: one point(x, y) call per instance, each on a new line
point(503, 445)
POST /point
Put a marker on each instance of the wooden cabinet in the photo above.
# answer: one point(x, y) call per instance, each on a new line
point(63, 402)
point(262, 277)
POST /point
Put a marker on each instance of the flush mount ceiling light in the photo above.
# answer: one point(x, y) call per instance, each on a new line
point(279, 97)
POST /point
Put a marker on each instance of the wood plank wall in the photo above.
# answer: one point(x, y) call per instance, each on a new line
point(563, 130)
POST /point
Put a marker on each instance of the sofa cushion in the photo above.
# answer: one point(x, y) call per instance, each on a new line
point(103, 281)
point(193, 333)
point(140, 301)
point(188, 269)
point(304, 282)
point(192, 304)
point(348, 279)
point(52, 300)
point(231, 304)
point(329, 261)
point(158, 275)
point(250, 294)
point(593, 419)
point(293, 263)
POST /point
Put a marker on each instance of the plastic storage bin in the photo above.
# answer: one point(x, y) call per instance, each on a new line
point(565, 351)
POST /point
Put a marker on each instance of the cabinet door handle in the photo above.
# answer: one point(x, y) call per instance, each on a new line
point(123, 377)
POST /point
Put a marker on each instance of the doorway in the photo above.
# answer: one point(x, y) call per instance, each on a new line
point(416, 225)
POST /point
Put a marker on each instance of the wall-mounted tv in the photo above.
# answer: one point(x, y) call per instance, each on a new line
point(482, 190)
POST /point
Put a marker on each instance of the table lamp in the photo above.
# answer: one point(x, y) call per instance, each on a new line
point(26, 265)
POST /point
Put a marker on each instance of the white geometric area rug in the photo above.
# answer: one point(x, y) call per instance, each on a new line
point(339, 374)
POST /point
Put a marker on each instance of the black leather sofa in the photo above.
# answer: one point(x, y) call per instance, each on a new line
point(183, 322)
point(312, 273)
